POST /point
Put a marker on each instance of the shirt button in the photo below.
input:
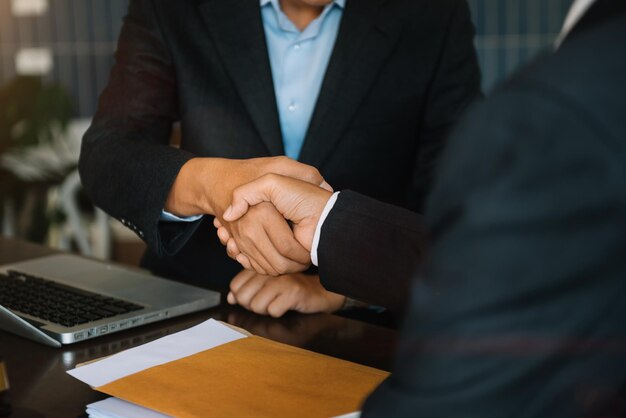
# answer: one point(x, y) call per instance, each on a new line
point(292, 107)
point(297, 47)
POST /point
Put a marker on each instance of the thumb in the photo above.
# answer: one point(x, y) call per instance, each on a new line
point(253, 193)
point(327, 186)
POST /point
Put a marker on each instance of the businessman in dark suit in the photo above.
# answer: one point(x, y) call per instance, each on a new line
point(519, 311)
point(388, 80)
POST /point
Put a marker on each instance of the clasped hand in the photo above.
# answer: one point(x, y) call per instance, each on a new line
point(262, 239)
point(295, 200)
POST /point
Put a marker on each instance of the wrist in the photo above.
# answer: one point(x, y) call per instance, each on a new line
point(186, 197)
point(337, 302)
point(318, 222)
point(307, 233)
point(350, 303)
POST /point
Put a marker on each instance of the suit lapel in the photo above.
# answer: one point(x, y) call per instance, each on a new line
point(599, 12)
point(237, 29)
point(363, 43)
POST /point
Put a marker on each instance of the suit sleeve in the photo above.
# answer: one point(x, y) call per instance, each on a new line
point(369, 250)
point(454, 87)
point(520, 309)
point(126, 164)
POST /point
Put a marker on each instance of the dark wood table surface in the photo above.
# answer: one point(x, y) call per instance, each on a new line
point(40, 384)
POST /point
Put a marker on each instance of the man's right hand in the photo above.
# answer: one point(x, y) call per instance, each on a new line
point(300, 202)
point(267, 237)
point(206, 185)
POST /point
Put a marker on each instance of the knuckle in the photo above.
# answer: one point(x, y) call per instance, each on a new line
point(285, 246)
point(244, 298)
point(276, 163)
point(256, 211)
point(237, 194)
point(270, 178)
point(246, 242)
point(223, 235)
point(313, 175)
point(258, 306)
point(274, 312)
point(234, 285)
point(232, 253)
point(283, 265)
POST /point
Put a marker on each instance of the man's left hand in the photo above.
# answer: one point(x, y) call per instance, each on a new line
point(274, 296)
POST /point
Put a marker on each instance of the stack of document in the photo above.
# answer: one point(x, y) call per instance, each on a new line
point(213, 370)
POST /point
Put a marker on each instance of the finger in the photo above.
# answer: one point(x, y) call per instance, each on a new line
point(265, 296)
point(327, 186)
point(256, 249)
point(250, 194)
point(247, 246)
point(291, 168)
point(223, 235)
point(280, 306)
point(232, 249)
point(244, 261)
point(241, 279)
point(256, 266)
point(231, 299)
point(217, 223)
point(289, 256)
point(262, 246)
point(247, 292)
point(252, 239)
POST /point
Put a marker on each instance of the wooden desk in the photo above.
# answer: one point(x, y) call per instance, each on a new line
point(37, 372)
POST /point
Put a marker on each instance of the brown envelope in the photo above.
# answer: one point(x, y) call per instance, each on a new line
point(251, 377)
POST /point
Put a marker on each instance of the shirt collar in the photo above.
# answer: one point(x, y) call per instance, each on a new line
point(576, 12)
point(340, 3)
point(285, 24)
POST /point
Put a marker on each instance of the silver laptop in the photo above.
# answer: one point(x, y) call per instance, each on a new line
point(63, 299)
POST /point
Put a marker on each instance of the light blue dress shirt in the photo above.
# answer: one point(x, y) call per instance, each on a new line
point(298, 60)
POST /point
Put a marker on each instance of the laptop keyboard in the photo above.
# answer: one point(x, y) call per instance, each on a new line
point(57, 303)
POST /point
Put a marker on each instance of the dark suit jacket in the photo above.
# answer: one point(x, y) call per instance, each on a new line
point(520, 310)
point(400, 75)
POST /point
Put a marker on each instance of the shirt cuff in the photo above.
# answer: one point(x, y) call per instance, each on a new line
point(168, 217)
point(318, 230)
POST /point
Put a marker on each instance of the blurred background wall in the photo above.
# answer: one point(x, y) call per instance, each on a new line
point(72, 41)
point(510, 32)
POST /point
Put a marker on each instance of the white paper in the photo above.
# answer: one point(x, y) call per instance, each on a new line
point(117, 408)
point(202, 337)
point(351, 415)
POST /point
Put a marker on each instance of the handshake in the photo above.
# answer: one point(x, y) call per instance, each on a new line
point(255, 229)
point(266, 214)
